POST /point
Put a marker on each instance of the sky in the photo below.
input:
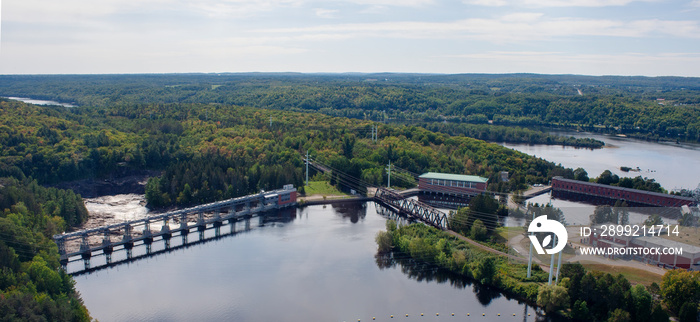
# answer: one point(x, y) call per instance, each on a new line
point(589, 37)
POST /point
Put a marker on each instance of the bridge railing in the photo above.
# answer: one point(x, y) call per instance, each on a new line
point(413, 208)
point(142, 227)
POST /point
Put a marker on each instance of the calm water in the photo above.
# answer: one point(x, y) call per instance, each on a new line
point(318, 264)
point(674, 166)
point(39, 102)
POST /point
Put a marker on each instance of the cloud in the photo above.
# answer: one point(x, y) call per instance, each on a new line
point(555, 3)
point(521, 27)
point(522, 17)
point(487, 3)
point(393, 3)
point(241, 8)
point(326, 13)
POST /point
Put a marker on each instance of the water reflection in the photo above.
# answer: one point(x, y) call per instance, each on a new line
point(401, 220)
point(424, 272)
point(352, 210)
point(314, 265)
point(420, 271)
point(183, 241)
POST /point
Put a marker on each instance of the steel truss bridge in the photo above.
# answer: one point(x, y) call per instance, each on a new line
point(412, 208)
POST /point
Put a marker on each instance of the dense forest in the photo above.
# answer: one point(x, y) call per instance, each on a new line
point(210, 152)
point(32, 288)
point(651, 108)
point(204, 152)
point(219, 136)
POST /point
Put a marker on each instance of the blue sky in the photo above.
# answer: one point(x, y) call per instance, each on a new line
point(591, 37)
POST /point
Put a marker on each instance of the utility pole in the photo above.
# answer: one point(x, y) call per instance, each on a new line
point(551, 264)
point(307, 167)
point(270, 122)
point(556, 280)
point(388, 169)
point(529, 261)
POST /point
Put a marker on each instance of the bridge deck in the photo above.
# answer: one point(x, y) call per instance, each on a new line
point(86, 241)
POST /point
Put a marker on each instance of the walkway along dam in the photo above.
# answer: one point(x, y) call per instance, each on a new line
point(84, 244)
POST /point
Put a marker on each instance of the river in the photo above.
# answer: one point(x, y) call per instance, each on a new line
point(39, 102)
point(674, 166)
point(318, 264)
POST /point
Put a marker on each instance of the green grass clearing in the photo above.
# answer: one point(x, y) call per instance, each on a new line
point(322, 188)
point(634, 275)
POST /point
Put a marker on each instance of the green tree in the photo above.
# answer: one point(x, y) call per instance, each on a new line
point(552, 297)
point(641, 301)
point(580, 312)
point(485, 271)
point(154, 196)
point(658, 314)
point(581, 175)
point(484, 207)
point(478, 231)
point(460, 221)
point(602, 214)
point(45, 279)
point(384, 241)
point(619, 315)
point(348, 145)
point(688, 312)
point(654, 219)
point(608, 178)
point(679, 287)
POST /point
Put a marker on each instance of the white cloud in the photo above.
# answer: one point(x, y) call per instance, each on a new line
point(509, 28)
point(695, 3)
point(487, 3)
point(578, 3)
point(241, 8)
point(393, 3)
point(326, 13)
point(555, 3)
point(522, 17)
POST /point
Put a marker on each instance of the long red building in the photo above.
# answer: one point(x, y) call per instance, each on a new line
point(631, 196)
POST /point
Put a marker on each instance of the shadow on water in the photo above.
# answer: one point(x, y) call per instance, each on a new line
point(424, 272)
point(353, 211)
point(162, 246)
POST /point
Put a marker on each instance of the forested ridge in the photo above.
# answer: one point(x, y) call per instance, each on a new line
point(620, 105)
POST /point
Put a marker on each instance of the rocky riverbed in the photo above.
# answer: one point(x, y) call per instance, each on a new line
point(114, 209)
